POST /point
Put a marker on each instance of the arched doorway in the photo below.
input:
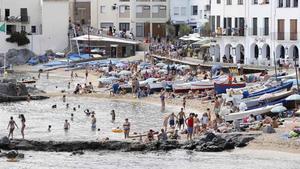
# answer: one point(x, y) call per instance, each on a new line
point(254, 53)
point(266, 52)
point(227, 57)
point(240, 54)
point(293, 53)
point(280, 52)
point(215, 50)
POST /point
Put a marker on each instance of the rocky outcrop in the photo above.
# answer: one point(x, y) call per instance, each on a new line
point(12, 91)
point(17, 57)
point(207, 143)
point(10, 87)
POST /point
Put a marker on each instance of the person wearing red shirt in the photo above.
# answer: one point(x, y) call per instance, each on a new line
point(190, 125)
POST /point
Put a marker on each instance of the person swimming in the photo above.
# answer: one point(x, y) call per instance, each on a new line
point(49, 128)
point(54, 106)
point(72, 116)
point(67, 105)
point(87, 112)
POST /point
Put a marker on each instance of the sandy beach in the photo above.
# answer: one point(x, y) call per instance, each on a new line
point(276, 142)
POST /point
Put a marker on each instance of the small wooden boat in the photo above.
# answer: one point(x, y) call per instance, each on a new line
point(273, 89)
point(201, 85)
point(181, 88)
point(222, 87)
point(242, 114)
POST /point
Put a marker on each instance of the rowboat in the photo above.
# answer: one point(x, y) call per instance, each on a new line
point(28, 81)
point(242, 114)
point(202, 85)
point(222, 87)
point(273, 89)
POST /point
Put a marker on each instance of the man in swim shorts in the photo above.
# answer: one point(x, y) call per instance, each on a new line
point(126, 127)
point(181, 117)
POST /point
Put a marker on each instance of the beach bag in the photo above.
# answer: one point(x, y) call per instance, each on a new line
point(268, 129)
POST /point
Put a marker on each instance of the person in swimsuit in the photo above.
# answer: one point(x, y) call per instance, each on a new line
point(126, 127)
point(172, 118)
point(190, 126)
point(67, 125)
point(11, 126)
point(113, 116)
point(72, 116)
point(23, 124)
point(93, 122)
point(181, 117)
point(64, 98)
point(196, 124)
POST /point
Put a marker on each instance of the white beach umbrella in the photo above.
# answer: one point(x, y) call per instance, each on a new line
point(294, 97)
point(278, 109)
point(125, 73)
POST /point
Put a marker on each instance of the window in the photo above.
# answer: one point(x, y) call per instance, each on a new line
point(293, 29)
point(140, 29)
point(280, 29)
point(295, 4)
point(106, 25)
point(254, 2)
point(23, 28)
point(124, 26)
point(229, 2)
point(176, 11)
point(7, 13)
point(218, 1)
point(194, 10)
point(240, 2)
point(10, 29)
point(266, 26)
point(33, 29)
point(183, 11)
point(102, 9)
point(288, 3)
point(280, 3)
point(218, 21)
point(254, 26)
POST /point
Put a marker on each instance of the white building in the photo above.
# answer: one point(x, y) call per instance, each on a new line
point(80, 11)
point(46, 20)
point(254, 31)
point(144, 18)
point(195, 13)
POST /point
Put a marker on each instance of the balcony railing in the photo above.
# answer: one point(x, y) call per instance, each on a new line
point(15, 19)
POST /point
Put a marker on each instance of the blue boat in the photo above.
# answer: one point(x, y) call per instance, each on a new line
point(221, 88)
point(273, 89)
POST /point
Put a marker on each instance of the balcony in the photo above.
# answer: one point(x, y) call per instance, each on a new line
point(230, 32)
point(17, 19)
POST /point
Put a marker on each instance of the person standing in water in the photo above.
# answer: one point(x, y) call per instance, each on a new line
point(94, 122)
point(72, 75)
point(23, 125)
point(67, 125)
point(47, 75)
point(64, 98)
point(181, 117)
point(126, 127)
point(162, 99)
point(172, 120)
point(69, 85)
point(113, 116)
point(11, 126)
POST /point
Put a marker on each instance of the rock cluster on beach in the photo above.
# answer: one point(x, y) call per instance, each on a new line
point(207, 143)
point(17, 57)
point(11, 91)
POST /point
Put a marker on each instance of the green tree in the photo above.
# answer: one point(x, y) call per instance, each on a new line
point(205, 30)
point(18, 37)
point(184, 29)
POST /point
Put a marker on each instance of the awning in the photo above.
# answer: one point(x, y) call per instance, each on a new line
point(105, 39)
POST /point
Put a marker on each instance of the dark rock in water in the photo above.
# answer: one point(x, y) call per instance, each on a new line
point(10, 88)
point(12, 154)
point(243, 141)
point(34, 90)
point(207, 143)
point(21, 155)
point(136, 147)
point(77, 153)
point(6, 98)
point(4, 141)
